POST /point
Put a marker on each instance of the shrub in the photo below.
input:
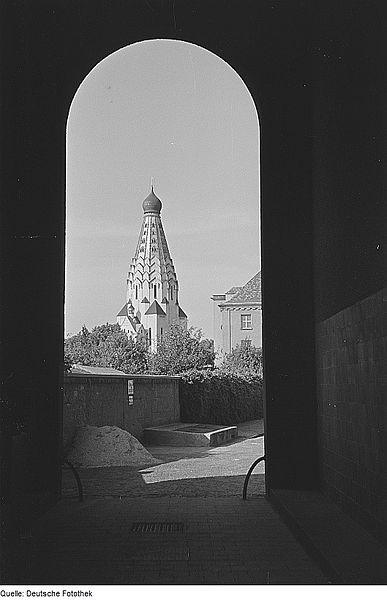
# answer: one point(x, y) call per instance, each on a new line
point(245, 361)
point(106, 346)
point(217, 397)
point(181, 350)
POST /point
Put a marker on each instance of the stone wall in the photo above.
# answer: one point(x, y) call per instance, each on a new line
point(104, 400)
point(352, 409)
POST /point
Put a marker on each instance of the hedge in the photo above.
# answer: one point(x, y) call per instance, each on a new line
point(219, 398)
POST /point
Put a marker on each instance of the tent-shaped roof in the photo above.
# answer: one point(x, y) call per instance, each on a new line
point(234, 290)
point(251, 292)
point(123, 312)
point(126, 309)
point(155, 309)
point(182, 314)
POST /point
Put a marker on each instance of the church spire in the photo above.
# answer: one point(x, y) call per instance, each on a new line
point(152, 279)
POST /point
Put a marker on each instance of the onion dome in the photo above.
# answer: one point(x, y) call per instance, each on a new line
point(152, 204)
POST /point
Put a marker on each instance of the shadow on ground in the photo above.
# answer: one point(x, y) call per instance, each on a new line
point(124, 482)
point(180, 471)
point(218, 541)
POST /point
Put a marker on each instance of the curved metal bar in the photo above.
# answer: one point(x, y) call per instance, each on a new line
point(247, 478)
point(77, 478)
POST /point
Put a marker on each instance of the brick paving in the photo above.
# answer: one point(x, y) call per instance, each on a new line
point(223, 540)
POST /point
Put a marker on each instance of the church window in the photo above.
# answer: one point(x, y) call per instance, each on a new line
point(136, 292)
point(171, 293)
point(149, 336)
point(246, 322)
point(155, 291)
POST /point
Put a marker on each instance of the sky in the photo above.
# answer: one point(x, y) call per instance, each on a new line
point(178, 113)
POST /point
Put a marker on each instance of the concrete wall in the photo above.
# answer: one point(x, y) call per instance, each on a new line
point(96, 400)
point(352, 409)
point(350, 260)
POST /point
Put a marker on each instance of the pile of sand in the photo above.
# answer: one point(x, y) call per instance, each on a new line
point(107, 446)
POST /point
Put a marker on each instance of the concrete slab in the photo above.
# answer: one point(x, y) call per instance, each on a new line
point(189, 434)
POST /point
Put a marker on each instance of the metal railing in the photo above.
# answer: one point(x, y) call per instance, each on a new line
point(77, 478)
point(247, 478)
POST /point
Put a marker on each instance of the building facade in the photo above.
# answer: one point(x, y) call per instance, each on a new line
point(237, 317)
point(152, 293)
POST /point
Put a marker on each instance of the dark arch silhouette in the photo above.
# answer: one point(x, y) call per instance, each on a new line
point(322, 202)
point(267, 51)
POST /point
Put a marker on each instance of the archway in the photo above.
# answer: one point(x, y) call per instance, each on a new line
point(178, 112)
point(59, 49)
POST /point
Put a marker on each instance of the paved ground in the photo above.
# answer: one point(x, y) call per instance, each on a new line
point(202, 532)
point(222, 541)
point(187, 472)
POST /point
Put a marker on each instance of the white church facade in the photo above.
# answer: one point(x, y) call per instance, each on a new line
point(152, 293)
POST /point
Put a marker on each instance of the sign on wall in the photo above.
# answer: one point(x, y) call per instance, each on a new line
point(130, 392)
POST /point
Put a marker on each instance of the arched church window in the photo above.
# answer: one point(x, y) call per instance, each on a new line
point(155, 291)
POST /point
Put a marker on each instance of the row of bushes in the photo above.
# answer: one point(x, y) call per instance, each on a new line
point(230, 394)
point(221, 398)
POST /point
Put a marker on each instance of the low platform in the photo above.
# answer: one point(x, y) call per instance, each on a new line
point(189, 434)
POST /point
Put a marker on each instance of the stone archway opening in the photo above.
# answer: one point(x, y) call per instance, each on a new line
point(178, 113)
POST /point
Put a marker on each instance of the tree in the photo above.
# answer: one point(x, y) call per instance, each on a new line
point(181, 350)
point(106, 346)
point(244, 360)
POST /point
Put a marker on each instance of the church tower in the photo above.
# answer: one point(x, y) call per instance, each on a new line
point(152, 297)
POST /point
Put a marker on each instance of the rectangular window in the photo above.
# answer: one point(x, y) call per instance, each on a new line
point(245, 344)
point(246, 322)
